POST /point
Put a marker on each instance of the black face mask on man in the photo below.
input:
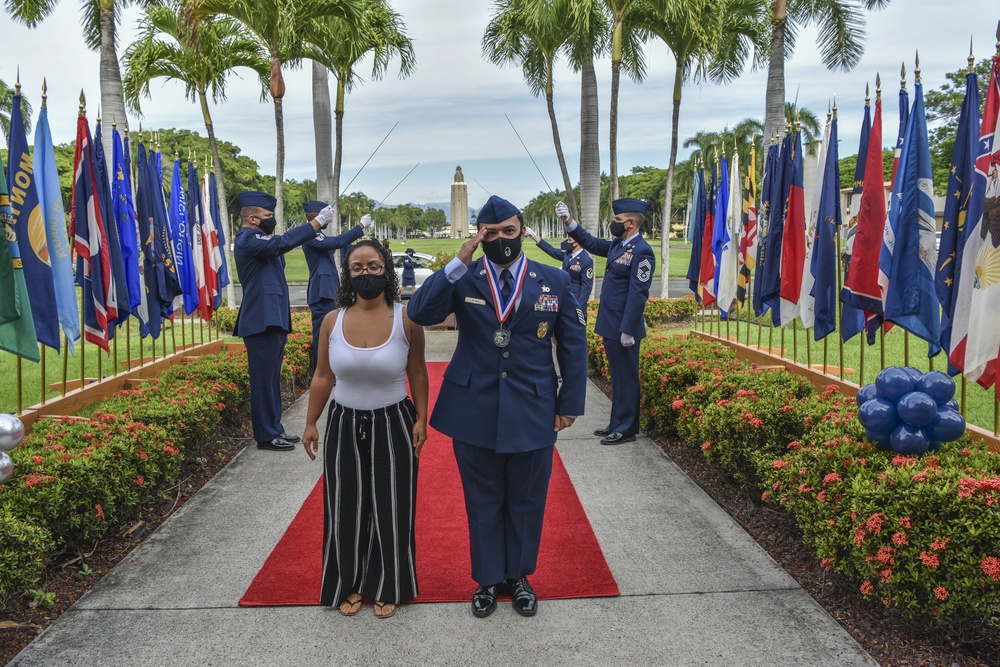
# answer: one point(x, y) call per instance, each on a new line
point(616, 228)
point(367, 286)
point(267, 225)
point(502, 250)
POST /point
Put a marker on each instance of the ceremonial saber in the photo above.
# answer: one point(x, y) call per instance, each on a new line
point(382, 201)
point(526, 151)
point(368, 160)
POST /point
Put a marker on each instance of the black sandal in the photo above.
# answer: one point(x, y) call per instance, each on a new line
point(351, 611)
point(379, 606)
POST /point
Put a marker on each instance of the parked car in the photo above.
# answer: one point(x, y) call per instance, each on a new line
point(421, 271)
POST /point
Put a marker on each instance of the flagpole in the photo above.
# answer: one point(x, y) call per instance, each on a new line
point(65, 362)
point(42, 378)
point(840, 304)
point(20, 403)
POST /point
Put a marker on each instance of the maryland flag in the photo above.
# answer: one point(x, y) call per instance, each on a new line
point(748, 230)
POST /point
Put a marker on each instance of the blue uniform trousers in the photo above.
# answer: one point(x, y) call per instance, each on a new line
point(505, 500)
point(623, 362)
point(319, 311)
point(265, 352)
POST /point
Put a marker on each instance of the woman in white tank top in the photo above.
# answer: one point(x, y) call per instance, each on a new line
point(368, 350)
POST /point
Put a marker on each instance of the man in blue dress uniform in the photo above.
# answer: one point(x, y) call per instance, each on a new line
point(624, 292)
point(264, 318)
point(500, 400)
point(409, 277)
point(575, 260)
point(323, 280)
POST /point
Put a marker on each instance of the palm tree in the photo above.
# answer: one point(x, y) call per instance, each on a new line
point(710, 40)
point(100, 19)
point(7, 105)
point(530, 33)
point(281, 26)
point(626, 50)
point(589, 41)
point(841, 43)
point(339, 46)
point(165, 50)
point(323, 133)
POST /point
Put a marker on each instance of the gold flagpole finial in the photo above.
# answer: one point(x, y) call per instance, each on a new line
point(972, 58)
point(17, 82)
point(723, 148)
point(114, 122)
point(902, 76)
point(835, 106)
point(916, 71)
point(176, 152)
point(45, 89)
point(868, 95)
point(98, 119)
point(83, 103)
point(878, 87)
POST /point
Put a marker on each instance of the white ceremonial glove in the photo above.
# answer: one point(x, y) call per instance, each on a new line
point(529, 231)
point(562, 212)
point(366, 221)
point(325, 217)
point(628, 340)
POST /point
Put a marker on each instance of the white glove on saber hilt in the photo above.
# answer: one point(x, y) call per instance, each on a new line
point(366, 221)
point(562, 212)
point(325, 217)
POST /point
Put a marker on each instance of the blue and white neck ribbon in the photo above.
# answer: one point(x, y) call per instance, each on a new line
point(505, 309)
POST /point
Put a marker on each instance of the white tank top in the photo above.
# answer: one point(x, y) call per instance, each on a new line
point(372, 377)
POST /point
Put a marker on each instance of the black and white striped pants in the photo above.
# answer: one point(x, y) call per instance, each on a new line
point(370, 491)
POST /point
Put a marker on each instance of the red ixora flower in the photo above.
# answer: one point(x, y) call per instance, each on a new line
point(941, 593)
point(867, 588)
point(930, 560)
point(139, 480)
point(991, 567)
point(99, 511)
point(705, 446)
point(778, 464)
point(832, 478)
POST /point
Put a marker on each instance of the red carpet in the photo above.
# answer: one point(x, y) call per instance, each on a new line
point(570, 562)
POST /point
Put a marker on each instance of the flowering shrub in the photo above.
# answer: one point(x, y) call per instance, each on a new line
point(225, 318)
point(662, 311)
point(440, 260)
point(23, 548)
point(919, 534)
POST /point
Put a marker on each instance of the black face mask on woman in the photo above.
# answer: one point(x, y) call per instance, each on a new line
point(368, 286)
point(502, 250)
point(617, 228)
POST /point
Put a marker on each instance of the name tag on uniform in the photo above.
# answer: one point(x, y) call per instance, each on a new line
point(547, 303)
point(478, 302)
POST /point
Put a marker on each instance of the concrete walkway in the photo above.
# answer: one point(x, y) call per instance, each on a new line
point(695, 588)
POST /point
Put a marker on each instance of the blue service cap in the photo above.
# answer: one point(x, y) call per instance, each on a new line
point(314, 206)
point(258, 199)
point(629, 205)
point(410, 250)
point(496, 209)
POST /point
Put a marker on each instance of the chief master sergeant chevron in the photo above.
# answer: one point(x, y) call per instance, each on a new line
point(500, 400)
point(620, 321)
point(264, 318)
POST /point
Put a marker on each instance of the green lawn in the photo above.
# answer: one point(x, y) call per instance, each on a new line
point(900, 349)
point(97, 364)
point(296, 270)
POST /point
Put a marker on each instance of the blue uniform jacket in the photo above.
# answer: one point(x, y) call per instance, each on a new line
point(323, 279)
point(580, 269)
point(506, 399)
point(409, 278)
point(625, 288)
point(260, 263)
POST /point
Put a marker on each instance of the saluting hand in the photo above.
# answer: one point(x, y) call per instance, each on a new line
point(562, 212)
point(324, 217)
point(469, 247)
point(310, 441)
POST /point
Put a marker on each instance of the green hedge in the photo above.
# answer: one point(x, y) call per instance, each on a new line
point(921, 534)
point(78, 478)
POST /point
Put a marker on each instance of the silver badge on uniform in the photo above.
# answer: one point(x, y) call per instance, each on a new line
point(579, 316)
point(590, 272)
point(645, 271)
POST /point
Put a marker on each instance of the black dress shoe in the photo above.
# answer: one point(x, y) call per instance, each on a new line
point(290, 437)
point(525, 600)
point(277, 445)
point(607, 430)
point(484, 601)
point(616, 438)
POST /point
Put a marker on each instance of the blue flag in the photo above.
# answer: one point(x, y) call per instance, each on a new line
point(180, 237)
point(694, 265)
point(693, 217)
point(961, 177)
point(763, 223)
point(119, 281)
point(169, 280)
point(720, 234)
point(852, 320)
point(778, 195)
point(824, 254)
point(124, 209)
point(60, 251)
point(30, 225)
point(152, 274)
point(17, 333)
point(213, 193)
point(141, 310)
point(907, 259)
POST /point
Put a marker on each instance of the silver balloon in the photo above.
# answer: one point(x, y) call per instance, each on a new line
point(11, 432)
point(6, 467)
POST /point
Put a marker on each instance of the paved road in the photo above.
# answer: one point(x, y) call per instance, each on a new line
point(678, 287)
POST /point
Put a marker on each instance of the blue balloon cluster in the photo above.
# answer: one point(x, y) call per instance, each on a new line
point(910, 412)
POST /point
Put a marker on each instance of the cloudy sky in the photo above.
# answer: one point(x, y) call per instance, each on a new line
point(451, 110)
